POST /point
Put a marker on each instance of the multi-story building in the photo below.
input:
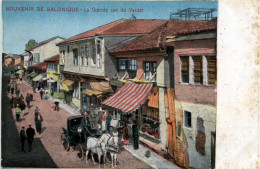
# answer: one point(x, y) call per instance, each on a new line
point(88, 63)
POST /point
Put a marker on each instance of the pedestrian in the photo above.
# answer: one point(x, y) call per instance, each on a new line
point(108, 120)
point(12, 89)
point(8, 88)
point(16, 101)
point(46, 96)
point(103, 119)
point(41, 92)
point(56, 105)
point(18, 112)
point(36, 111)
point(125, 137)
point(12, 101)
point(31, 95)
point(17, 92)
point(135, 135)
point(28, 100)
point(21, 97)
point(22, 137)
point(30, 132)
point(38, 123)
point(22, 105)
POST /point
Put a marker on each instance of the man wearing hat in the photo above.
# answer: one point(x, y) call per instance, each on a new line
point(85, 125)
point(22, 137)
point(30, 135)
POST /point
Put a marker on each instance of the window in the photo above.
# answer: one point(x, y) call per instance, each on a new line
point(198, 78)
point(55, 67)
point(86, 54)
point(62, 56)
point(75, 57)
point(132, 65)
point(198, 70)
point(185, 69)
point(212, 70)
point(122, 64)
point(150, 70)
point(94, 53)
point(82, 56)
point(188, 119)
point(98, 57)
point(36, 57)
point(76, 90)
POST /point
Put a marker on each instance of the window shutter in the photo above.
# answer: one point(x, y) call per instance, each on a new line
point(212, 69)
point(198, 76)
point(94, 52)
point(185, 69)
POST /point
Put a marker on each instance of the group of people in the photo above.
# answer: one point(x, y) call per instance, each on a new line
point(27, 135)
point(18, 105)
point(105, 120)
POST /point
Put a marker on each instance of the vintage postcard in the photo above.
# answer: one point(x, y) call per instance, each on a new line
point(125, 84)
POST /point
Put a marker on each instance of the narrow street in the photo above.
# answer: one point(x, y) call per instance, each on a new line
point(47, 149)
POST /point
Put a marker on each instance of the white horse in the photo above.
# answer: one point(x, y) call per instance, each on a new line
point(96, 146)
point(111, 145)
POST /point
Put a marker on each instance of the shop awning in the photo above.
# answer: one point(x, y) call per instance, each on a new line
point(20, 71)
point(33, 75)
point(101, 86)
point(29, 75)
point(129, 97)
point(93, 92)
point(66, 85)
point(38, 78)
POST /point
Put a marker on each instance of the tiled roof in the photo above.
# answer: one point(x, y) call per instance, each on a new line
point(120, 27)
point(45, 42)
point(42, 65)
point(55, 58)
point(155, 39)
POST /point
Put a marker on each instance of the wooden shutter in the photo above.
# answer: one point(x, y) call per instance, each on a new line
point(185, 69)
point(198, 76)
point(212, 70)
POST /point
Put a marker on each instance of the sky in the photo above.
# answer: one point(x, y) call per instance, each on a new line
point(21, 26)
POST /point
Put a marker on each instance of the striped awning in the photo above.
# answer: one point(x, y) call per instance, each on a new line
point(38, 78)
point(129, 97)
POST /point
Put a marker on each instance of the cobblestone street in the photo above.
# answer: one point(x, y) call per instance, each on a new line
point(47, 148)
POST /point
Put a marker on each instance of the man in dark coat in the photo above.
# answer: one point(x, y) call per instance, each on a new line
point(17, 92)
point(135, 135)
point(28, 100)
point(12, 89)
point(22, 137)
point(41, 93)
point(8, 88)
point(85, 125)
point(30, 132)
point(108, 120)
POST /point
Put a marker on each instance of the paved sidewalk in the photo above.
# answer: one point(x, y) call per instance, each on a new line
point(154, 161)
point(64, 106)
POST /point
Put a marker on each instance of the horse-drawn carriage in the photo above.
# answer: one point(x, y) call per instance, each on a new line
point(73, 137)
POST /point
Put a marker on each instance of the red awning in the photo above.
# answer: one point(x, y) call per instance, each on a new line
point(129, 97)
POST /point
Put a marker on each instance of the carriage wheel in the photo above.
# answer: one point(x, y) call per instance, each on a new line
point(66, 145)
point(81, 152)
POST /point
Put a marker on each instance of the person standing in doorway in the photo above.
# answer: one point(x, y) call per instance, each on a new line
point(135, 135)
point(30, 132)
point(125, 137)
point(41, 92)
point(22, 137)
point(108, 120)
point(103, 120)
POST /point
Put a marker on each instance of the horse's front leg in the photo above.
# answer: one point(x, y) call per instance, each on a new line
point(115, 159)
point(112, 159)
point(87, 156)
point(99, 156)
point(92, 158)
